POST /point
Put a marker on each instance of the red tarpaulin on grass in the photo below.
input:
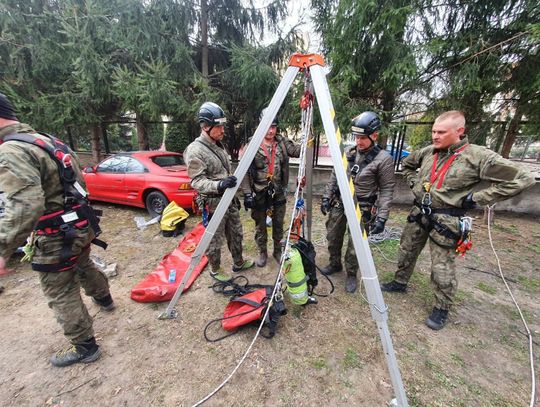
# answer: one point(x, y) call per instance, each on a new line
point(156, 287)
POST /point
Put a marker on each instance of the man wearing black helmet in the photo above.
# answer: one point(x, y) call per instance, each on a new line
point(210, 173)
point(372, 172)
point(265, 187)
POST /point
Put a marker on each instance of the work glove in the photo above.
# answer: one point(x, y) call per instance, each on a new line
point(325, 205)
point(249, 203)
point(468, 202)
point(378, 226)
point(229, 182)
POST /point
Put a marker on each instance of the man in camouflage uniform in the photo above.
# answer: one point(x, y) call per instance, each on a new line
point(372, 171)
point(265, 188)
point(443, 187)
point(210, 172)
point(31, 181)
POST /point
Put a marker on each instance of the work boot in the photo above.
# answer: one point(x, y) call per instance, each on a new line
point(277, 254)
point(331, 269)
point(350, 284)
point(220, 275)
point(83, 352)
point(437, 319)
point(394, 287)
point(246, 264)
point(261, 260)
point(106, 303)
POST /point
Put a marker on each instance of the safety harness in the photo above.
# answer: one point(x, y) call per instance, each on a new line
point(354, 169)
point(463, 239)
point(77, 212)
point(269, 191)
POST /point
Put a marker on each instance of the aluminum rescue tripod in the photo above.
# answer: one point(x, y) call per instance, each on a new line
point(379, 312)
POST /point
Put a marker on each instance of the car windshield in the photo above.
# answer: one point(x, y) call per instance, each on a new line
point(168, 160)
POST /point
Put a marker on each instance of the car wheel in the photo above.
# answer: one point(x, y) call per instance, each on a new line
point(155, 203)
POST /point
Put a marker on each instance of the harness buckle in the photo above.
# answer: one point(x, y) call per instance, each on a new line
point(354, 170)
point(425, 205)
point(64, 228)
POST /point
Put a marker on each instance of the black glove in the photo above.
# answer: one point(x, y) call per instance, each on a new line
point(325, 205)
point(225, 183)
point(468, 202)
point(378, 226)
point(249, 203)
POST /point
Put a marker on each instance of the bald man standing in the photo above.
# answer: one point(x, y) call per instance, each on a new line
point(448, 172)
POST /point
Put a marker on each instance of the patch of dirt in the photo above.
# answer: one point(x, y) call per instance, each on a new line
point(326, 354)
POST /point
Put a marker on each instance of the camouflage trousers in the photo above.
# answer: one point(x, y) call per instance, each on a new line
point(258, 214)
point(336, 226)
point(443, 268)
point(63, 293)
point(230, 228)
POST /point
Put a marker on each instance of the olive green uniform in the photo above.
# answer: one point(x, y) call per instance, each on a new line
point(470, 166)
point(30, 180)
point(207, 164)
point(374, 182)
point(258, 182)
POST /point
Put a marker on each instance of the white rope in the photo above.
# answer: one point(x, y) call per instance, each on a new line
point(389, 233)
point(279, 278)
point(529, 335)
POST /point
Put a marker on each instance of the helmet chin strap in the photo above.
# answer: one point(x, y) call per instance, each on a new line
point(207, 132)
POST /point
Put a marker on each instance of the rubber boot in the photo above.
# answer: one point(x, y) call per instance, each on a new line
point(106, 303)
point(246, 264)
point(331, 269)
point(261, 260)
point(220, 275)
point(350, 284)
point(82, 352)
point(437, 319)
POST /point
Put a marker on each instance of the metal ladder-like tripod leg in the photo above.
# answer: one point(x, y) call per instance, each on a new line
point(363, 253)
point(227, 197)
point(361, 245)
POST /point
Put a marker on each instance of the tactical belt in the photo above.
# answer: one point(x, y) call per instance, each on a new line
point(65, 222)
point(434, 224)
point(444, 211)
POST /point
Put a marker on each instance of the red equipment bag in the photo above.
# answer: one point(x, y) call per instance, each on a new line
point(156, 286)
point(245, 309)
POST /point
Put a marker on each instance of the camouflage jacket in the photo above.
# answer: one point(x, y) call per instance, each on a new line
point(474, 164)
point(376, 179)
point(29, 177)
point(207, 164)
point(256, 179)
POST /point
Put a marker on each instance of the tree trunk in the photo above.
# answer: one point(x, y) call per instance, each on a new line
point(105, 138)
point(388, 103)
point(142, 139)
point(70, 139)
point(204, 38)
point(96, 145)
point(500, 137)
point(512, 131)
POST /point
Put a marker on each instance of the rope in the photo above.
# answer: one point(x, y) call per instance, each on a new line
point(528, 332)
point(388, 234)
point(279, 277)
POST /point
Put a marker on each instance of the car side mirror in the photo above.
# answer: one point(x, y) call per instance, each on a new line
point(89, 170)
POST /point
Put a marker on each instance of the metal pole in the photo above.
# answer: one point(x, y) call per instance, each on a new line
point(378, 308)
point(243, 166)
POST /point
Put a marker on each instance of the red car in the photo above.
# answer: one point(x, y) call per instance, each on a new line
point(146, 179)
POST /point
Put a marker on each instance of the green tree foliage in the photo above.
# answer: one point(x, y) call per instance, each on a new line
point(371, 59)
